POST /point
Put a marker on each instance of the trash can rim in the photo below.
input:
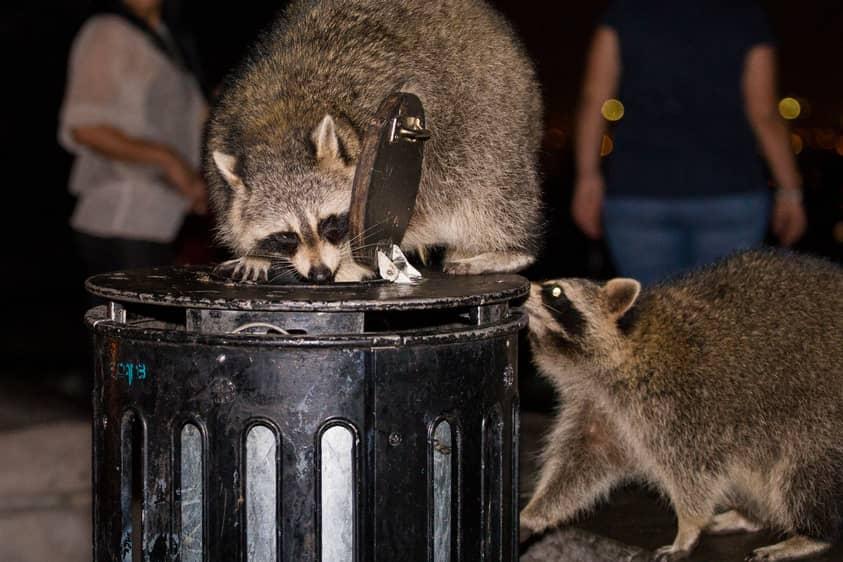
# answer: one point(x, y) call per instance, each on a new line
point(99, 323)
point(194, 287)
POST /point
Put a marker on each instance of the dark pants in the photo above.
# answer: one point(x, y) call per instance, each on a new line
point(652, 239)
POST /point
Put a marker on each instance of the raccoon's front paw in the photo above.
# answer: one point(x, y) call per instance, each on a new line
point(524, 534)
point(352, 272)
point(247, 269)
point(530, 522)
point(670, 553)
point(459, 268)
point(489, 262)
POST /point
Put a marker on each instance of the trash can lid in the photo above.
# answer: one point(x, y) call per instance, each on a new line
point(198, 287)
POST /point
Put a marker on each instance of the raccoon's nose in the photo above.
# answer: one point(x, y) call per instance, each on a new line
point(320, 274)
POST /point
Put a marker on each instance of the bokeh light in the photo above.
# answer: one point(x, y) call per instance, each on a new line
point(826, 138)
point(839, 146)
point(796, 143)
point(606, 145)
point(789, 108)
point(612, 110)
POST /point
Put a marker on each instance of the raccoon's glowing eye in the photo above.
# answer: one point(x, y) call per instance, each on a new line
point(553, 293)
point(334, 228)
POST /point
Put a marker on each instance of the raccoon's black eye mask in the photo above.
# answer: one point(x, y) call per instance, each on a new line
point(284, 243)
point(334, 228)
point(563, 311)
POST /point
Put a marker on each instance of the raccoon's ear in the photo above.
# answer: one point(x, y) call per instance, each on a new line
point(227, 165)
point(326, 142)
point(621, 294)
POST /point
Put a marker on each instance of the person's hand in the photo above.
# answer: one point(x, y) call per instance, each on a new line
point(587, 205)
point(187, 181)
point(788, 221)
point(178, 173)
point(199, 196)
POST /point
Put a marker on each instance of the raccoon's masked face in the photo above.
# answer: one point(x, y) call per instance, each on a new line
point(572, 320)
point(290, 205)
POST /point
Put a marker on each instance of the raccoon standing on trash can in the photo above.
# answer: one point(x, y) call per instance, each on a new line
point(284, 139)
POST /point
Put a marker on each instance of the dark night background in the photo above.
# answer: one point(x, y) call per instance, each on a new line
point(41, 283)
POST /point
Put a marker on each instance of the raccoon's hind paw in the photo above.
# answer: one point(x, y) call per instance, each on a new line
point(791, 549)
point(489, 262)
point(246, 269)
point(669, 554)
point(533, 520)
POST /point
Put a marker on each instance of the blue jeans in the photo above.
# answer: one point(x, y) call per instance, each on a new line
point(651, 239)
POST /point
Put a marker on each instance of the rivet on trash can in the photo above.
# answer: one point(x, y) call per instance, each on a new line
point(223, 391)
point(395, 439)
point(508, 375)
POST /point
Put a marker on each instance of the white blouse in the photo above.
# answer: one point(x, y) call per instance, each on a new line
point(117, 77)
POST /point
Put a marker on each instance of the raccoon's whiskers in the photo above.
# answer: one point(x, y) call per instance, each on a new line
point(266, 255)
point(356, 253)
point(277, 277)
point(362, 247)
point(282, 272)
point(556, 310)
point(365, 231)
point(283, 264)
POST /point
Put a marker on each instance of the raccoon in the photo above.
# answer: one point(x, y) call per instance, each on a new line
point(723, 389)
point(283, 141)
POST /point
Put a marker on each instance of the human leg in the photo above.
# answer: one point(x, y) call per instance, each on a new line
point(721, 226)
point(643, 238)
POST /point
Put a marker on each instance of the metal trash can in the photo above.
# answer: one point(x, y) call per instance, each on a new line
point(341, 423)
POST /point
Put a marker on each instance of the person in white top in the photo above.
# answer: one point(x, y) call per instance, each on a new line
point(133, 115)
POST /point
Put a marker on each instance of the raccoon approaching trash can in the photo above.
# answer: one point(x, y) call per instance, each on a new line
point(342, 422)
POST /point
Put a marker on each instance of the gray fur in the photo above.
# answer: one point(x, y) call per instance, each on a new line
point(479, 193)
point(723, 389)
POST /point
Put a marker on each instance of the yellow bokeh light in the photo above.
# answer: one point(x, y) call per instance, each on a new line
point(606, 146)
point(789, 108)
point(796, 143)
point(612, 110)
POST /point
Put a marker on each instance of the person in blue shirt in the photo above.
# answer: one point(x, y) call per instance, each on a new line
point(685, 184)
